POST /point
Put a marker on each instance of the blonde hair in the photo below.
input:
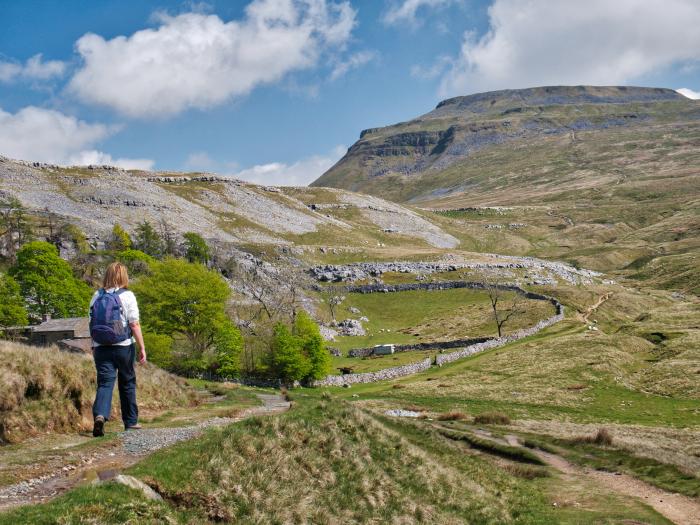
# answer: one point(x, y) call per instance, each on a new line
point(116, 276)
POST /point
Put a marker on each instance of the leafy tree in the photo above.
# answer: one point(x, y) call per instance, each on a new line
point(184, 298)
point(160, 349)
point(148, 240)
point(312, 345)
point(137, 262)
point(120, 240)
point(15, 228)
point(287, 360)
point(299, 354)
point(229, 348)
point(47, 283)
point(196, 248)
point(12, 311)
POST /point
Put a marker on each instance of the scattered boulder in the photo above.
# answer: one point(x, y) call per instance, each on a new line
point(139, 485)
point(351, 327)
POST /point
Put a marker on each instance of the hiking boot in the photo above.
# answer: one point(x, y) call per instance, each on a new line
point(98, 429)
point(133, 427)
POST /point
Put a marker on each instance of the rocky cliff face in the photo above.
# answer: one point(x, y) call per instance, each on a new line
point(460, 127)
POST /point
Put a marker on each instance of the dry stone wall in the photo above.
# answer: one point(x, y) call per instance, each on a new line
point(380, 375)
point(419, 347)
point(441, 359)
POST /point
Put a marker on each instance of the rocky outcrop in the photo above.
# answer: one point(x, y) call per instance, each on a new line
point(223, 210)
point(349, 273)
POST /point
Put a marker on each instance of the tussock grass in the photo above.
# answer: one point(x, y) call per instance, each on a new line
point(46, 390)
point(601, 437)
point(492, 418)
point(323, 462)
point(526, 471)
point(493, 447)
point(452, 416)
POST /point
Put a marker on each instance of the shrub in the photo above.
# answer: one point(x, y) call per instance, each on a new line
point(601, 437)
point(492, 418)
point(187, 302)
point(452, 416)
point(137, 262)
point(120, 240)
point(298, 354)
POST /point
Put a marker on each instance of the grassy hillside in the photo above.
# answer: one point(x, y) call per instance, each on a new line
point(604, 177)
point(45, 390)
point(330, 462)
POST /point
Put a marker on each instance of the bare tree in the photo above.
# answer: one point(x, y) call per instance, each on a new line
point(503, 307)
point(168, 236)
point(332, 300)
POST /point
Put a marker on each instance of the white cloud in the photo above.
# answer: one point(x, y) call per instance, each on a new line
point(45, 135)
point(199, 161)
point(99, 158)
point(354, 61)
point(540, 42)
point(195, 60)
point(694, 95)
point(299, 173)
point(433, 70)
point(33, 69)
point(406, 11)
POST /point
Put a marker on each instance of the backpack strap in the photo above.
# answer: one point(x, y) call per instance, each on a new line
point(121, 306)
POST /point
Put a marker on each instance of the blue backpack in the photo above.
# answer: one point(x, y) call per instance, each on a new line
point(106, 325)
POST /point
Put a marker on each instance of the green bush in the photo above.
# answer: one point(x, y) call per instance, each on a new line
point(159, 348)
point(47, 283)
point(120, 239)
point(196, 248)
point(12, 310)
point(137, 262)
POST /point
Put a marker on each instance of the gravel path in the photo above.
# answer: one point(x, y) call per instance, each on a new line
point(134, 446)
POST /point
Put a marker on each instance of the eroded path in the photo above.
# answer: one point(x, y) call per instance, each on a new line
point(678, 508)
point(129, 448)
point(592, 309)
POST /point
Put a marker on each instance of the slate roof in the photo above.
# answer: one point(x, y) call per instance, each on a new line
point(79, 325)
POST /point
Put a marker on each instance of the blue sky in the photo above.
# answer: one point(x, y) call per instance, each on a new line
point(275, 90)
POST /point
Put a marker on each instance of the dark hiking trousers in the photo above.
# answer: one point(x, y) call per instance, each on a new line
point(116, 362)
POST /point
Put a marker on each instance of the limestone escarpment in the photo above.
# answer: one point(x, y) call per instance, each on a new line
point(224, 210)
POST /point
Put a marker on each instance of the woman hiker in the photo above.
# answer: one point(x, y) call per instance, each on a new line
point(114, 326)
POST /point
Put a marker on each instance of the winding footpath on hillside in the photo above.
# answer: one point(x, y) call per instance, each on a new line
point(675, 507)
point(130, 448)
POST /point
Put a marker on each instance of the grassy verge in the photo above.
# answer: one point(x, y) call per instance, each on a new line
point(43, 389)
